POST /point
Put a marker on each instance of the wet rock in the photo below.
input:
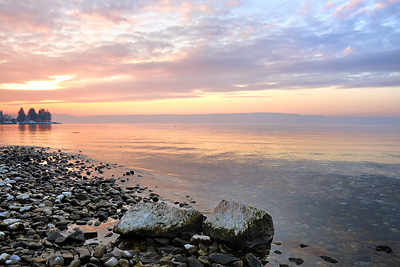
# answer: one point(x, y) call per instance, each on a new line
point(68, 258)
point(99, 251)
point(102, 215)
point(77, 236)
point(162, 241)
point(84, 255)
point(237, 264)
point(297, 261)
point(192, 261)
point(90, 234)
point(55, 260)
point(35, 246)
point(158, 219)
point(239, 225)
point(75, 263)
point(328, 259)
point(123, 263)
point(223, 259)
point(252, 261)
point(204, 260)
point(54, 235)
point(127, 255)
point(383, 248)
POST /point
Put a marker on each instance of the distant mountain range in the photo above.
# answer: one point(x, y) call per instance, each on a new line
point(231, 118)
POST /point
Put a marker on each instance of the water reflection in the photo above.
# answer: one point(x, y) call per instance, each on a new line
point(35, 127)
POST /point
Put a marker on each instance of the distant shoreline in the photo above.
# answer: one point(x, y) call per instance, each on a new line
point(230, 118)
point(23, 123)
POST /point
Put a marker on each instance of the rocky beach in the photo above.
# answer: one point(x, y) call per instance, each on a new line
point(59, 209)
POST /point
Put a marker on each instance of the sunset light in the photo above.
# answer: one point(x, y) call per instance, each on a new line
point(197, 57)
point(38, 85)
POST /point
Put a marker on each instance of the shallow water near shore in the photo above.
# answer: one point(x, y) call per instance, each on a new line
point(335, 188)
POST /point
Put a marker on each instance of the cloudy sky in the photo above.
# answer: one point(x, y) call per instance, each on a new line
point(95, 57)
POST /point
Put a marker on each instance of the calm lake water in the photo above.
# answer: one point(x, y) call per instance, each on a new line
point(335, 188)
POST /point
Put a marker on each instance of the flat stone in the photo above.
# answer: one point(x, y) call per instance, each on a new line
point(222, 258)
point(328, 259)
point(20, 244)
point(35, 246)
point(90, 233)
point(53, 236)
point(77, 236)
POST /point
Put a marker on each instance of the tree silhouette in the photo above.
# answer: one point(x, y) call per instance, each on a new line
point(32, 115)
point(44, 115)
point(21, 115)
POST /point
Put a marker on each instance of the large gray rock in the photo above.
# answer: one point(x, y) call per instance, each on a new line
point(158, 219)
point(239, 225)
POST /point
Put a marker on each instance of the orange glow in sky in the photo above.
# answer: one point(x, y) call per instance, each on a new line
point(334, 58)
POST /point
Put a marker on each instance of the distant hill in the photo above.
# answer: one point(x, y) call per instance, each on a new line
point(231, 118)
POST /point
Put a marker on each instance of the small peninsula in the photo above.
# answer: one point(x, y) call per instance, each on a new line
point(41, 117)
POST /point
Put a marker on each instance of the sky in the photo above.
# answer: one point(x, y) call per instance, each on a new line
point(99, 57)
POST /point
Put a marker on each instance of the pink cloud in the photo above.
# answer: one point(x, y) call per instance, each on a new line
point(385, 3)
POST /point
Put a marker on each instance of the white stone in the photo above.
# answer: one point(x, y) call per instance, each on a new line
point(15, 226)
point(67, 194)
point(205, 239)
point(188, 246)
point(15, 258)
point(2, 236)
point(23, 196)
point(46, 212)
point(8, 222)
point(25, 208)
point(111, 262)
point(4, 257)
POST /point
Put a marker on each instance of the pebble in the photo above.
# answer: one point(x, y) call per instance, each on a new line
point(55, 260)
point(111, 262)
point(15, 258)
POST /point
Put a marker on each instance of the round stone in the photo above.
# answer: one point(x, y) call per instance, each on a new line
point(15, 258)
point(55, 260)
point(111, 262)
